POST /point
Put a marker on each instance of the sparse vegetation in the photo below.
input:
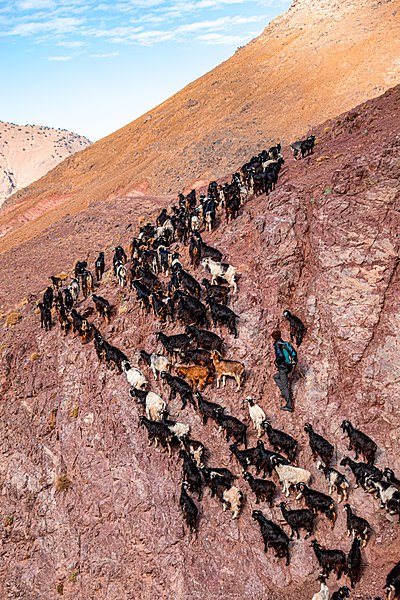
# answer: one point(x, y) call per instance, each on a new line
point(328, 191)
point(74, 412)
point(73, 576)
point(9, 521)
point(63, 483)
point(13, 318)
point(34, 356)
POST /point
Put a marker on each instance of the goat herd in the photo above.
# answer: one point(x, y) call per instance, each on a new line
point(200, 351)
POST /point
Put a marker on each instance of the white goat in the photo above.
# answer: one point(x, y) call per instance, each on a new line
point(134, 376)
point(121, 274)
point(222, 270)
point(180, 430)
point(155, 407)
point(257, 415)
point(323, 593)
point(232, 498)
point(289, 475)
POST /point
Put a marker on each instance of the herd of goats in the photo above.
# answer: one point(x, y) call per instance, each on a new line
point(200, 353)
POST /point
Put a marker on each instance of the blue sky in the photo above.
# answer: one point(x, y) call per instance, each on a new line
point(93, 66)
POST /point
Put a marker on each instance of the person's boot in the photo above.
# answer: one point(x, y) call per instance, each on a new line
point(288, 406)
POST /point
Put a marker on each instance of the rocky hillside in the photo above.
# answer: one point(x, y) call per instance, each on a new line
point(88, 509)
point(27, 152)
point(319, 59)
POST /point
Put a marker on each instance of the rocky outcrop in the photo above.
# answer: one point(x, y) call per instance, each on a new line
point(27, 152)
point(88, 510)
point(317, 60)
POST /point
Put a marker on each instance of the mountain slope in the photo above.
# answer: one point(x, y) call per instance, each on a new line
point(320, 58)
point(88, 509)
point(27, 152)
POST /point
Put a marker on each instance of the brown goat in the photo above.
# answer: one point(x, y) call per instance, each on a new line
point(197, 377)
point(227, 368)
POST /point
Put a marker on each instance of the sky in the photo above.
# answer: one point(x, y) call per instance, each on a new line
point(92, 66)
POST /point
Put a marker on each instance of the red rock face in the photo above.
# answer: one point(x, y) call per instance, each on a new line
point(325, 245)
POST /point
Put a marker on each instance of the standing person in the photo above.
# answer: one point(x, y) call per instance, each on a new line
point(285, 361)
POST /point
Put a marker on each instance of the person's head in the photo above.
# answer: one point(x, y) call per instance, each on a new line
point(276, 335)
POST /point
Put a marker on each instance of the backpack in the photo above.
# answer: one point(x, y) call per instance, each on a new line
point(289, 353)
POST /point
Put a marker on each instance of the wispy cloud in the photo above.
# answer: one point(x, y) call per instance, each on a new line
point(71, 44)
point(60, 58)
point(105, 55)
point(61, 25)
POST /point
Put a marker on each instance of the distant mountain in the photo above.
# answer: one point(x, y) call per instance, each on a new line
point(27, 152)
point(319, 59)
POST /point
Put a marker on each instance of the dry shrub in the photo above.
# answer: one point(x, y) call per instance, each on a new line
point(13, 318)
point(34, 356)
point(74, 412)
point(63, 483)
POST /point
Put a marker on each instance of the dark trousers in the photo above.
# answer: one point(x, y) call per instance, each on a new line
point(281, 379)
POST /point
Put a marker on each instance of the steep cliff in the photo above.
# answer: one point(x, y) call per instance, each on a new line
point(317, 60)
point(88, 509)
point(27, 152)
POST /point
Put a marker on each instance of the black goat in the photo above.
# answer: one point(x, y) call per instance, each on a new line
point(330, 560)
point(354, 562)
point(159, 433)
point(232, 427)
point(281, 441)
point(391, 478)
point(246, 457)
point(360, 442)
point(191, 473)
point(178, 386)
point(337, 481)
point(263, 462)
point(48, 297)
point(273, 536)
point(318, 502)
point(45, 316)
point(222, 315)
point(198, 357)
point(297, 327)
point(392, 584)
point(303, 518)
point(99, 266)
point(143, 294)
point(196, 450)
point(103, 307)
point(207, 340)
point(208, 410)
point(189, 509)
point(342, 592)
point(173, 344)
point(218, 292)
point(357, 526)
point(362, 471)
point(264, 489)
point(319, 445)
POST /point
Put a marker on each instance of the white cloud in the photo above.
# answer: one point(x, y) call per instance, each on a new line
point(60, 58)
point(61, 25)
point(105, 55)
point(72, 44)
point(221, 38)
point(35, 4)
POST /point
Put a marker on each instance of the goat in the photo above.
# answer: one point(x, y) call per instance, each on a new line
point(155, 406)
point(222, 270)
point(222, 315)
point(303, 518)
point(174, 343)
point(354, 562)
point(208, 410)
point(232, 427)
point(257, 416)
point(232, 498)
point(121, 275)
point(178, 386)
point(156, 362)
point(245, 457)
point(392, 584)
point(281, 441)
point(68, 300)
point(343, 592)
point(388, 494)
point(357, 526)
point(56, 281)
point(390, 477)
point(48, 297)
point(191, 473)
point(74, 289)
point(181, 431)
point(159, 433)
point(264, 489)
point(189, 508)
point(361, 471)
point(360, 442)
point(218, 292)
point(112, 356)
point(102, 306)
point(206, 340)
point(134, 376)
point(196, 450)
point(227, 368)
point(330, 560)
point(198, 357)
point(45, 316)
point(143, 294)
point(273, 536)
point(297, 327)
point(319, 446)
point(99, 266)
point(290, 476)
point(197, 377)
point(87, 283)
point(337, 481)
point(264, 460)
point(318, 502)
point(323, 593)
